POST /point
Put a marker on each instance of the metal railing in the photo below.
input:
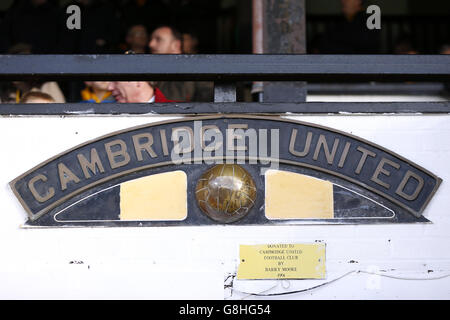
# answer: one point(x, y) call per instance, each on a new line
point(225, 71)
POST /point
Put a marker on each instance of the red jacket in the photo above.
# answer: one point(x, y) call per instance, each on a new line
point(160, 97)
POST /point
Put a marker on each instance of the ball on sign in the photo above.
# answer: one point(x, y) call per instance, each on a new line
point(226, 192)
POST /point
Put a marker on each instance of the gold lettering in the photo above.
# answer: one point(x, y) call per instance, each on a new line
point(329, 155)
point(66, 176)
point(344, 154)
point(141, 146)
point(292, 144)
point(114, 163)
point(31, 185)
point(409, 174)
point(381, 169)
point(91, 165)
point(365, 153)
point(162, 134)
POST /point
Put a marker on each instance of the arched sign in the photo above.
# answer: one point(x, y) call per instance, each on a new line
point(225, 169)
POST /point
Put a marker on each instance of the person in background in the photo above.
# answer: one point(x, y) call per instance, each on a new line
point(6, 92)
point(150, 13)
point(97, 92)
point(136, 92)
point(404, 45)
point(190, 43)
point(37, 97)
point(204, 90)
point(51, 88)
point(168, 40)
point(350, 35)
point(445, 49)
point(137, 39)
point(20, 88)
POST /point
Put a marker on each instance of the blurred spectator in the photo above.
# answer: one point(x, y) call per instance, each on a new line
point(190, 43)
point(20, 88)
point(137, 39)
point(150, 13)
point(350, 35)
point(168, 40)
point(97, 92)
point(204, 90)
point(136, 92)
point(20, 48)
point(51, 88)
point(99, 33)
point(404, 45)
point(7, 90)
point(35, 22)
point(37, 97)
point(445, 49)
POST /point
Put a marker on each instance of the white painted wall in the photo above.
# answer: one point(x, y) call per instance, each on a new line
point(192, 262)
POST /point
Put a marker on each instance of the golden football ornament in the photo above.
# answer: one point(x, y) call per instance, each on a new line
point(226, 192)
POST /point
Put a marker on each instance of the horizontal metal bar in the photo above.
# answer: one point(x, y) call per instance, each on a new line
point(416, 88)
point(328, 68)
point(227, 107)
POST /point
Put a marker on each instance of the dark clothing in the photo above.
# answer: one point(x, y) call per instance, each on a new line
point(151, 14)
point(204, 91)
point(188, 91)
point(38, 26)
point(181, 91)
point(350, 37)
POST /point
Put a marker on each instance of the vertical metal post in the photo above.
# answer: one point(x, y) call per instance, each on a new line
point(258, 47)
point(284, 32)
point(257, 26)
point(224, 91)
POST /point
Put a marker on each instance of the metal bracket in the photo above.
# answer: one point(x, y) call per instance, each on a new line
point(224, 91)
